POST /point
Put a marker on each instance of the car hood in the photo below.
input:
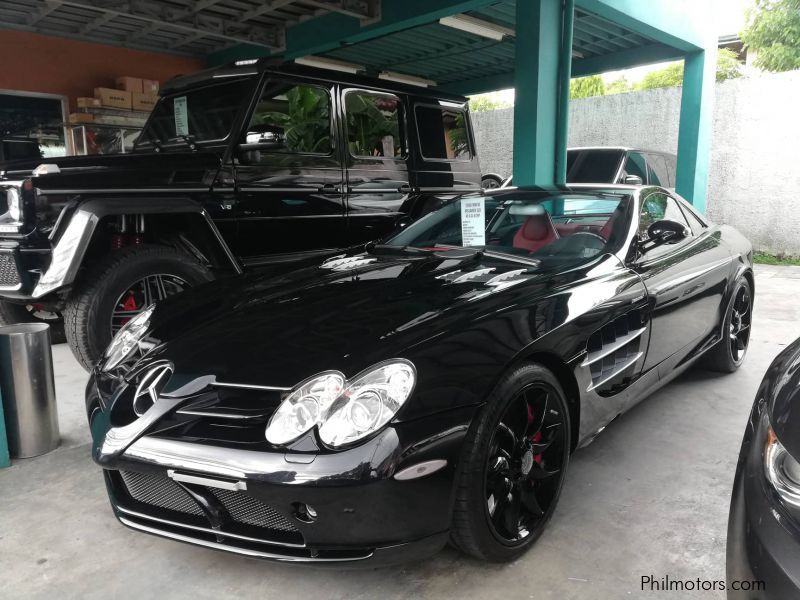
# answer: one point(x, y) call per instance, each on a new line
point(345, 314)
point(119, 171)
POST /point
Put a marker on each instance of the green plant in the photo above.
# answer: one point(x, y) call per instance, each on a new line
point(305, 120)
point(773, 32)
point(484, 102)
point(586, 87)
point(764, 258)
point(370, 119)
point(728, 67)
point(619, 86)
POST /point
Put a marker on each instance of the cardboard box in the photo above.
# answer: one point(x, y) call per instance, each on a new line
point(89, 103)
point(81, 118)
point(113, 98)
point(143, 101)
point(150, 86)
point(130, 84)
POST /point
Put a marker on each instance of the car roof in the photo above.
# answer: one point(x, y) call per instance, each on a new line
point(253, 68)
point(621, 149)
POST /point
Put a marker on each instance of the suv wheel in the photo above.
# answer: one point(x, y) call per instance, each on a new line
point(117, 288)
point(11, 314)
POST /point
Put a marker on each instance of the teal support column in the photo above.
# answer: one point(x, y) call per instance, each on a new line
point(536, 81)
point(4, 459)
point(694, 134)
point(565, 74)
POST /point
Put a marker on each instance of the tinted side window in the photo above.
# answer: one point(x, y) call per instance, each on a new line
point(657, 207)
point(636, 165)
point(592, 166)
point(203, 114)
point(373, 124)
point(442, 133)
point(657, 170)
point(297, 118)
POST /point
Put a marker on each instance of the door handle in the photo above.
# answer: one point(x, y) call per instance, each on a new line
point(404, 189)
point(330, 188)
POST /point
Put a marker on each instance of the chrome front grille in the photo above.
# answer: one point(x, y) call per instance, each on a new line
point(9, 275)
point(159, 491)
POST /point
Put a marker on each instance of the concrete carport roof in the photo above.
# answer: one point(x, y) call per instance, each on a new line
point(534, 46)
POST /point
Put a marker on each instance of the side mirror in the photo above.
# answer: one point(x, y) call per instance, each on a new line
point(261, 137)
point(665, 232)
point(633, 180)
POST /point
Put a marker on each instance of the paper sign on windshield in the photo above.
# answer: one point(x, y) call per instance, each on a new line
point(473, 222)
point(181, 116)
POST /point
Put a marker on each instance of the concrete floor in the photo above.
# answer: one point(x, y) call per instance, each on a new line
point(649, 496)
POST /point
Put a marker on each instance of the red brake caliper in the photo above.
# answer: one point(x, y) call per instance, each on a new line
point(128, 305)
point(536, 437)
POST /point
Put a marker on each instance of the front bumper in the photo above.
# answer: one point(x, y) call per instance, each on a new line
point(763, 536)
point(255, 502)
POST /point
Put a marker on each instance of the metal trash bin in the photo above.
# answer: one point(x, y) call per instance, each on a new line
point(28, 389)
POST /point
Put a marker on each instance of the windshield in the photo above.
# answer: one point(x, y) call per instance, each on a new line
point(199, 115)
point(559, 228)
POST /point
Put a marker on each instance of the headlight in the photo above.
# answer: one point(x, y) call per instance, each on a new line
point(369, 402)
point(305, 407)
point(783, 471)
point(127, 339)
point(14, 202)
point(344, 411)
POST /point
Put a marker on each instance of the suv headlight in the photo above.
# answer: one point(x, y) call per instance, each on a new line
point(127, 339)
point(14, 204)
point(782, 470)
point(344, 411)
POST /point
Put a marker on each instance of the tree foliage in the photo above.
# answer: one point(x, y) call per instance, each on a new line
point(772, 30)
point(484, 102)
point(586, 87)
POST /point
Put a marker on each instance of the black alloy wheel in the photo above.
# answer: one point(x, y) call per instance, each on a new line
point(525, 462)
point(729, 354)
point(739, 327)
point(143, 293)
point(513, 466)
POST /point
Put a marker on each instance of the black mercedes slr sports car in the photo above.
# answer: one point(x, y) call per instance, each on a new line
point(764, 523)
point(427, 388)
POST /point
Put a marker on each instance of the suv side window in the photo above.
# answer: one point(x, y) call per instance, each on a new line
point(659, 206)
point(296, 117)
point(443, 133)
point(373, 124)
point(657, 170)
point(636, 165)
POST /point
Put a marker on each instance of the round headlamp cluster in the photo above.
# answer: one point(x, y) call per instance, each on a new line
point(343, 411)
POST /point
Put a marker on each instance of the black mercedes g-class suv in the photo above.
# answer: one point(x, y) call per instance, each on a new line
point(255, 164)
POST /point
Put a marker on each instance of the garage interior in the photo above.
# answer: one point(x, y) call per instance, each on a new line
point(669, 461)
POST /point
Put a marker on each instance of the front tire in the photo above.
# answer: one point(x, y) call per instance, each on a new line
point(116, 288)
point(728, 355)
point(513, 466)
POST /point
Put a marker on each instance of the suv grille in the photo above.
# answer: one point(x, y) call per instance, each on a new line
point(9, 276)
point(163, 492)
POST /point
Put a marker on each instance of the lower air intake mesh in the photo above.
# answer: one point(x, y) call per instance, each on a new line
point(9, 277)
point(160, 491)
point(246, 509)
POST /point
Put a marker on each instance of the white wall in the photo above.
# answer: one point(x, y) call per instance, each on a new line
point(754, 176)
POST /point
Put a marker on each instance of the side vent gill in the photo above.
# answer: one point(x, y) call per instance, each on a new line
point(613, 351)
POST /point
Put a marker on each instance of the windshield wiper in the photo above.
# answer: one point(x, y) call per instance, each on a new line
point(389, 249)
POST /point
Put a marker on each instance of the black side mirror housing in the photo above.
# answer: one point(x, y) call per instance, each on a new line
point(665, 231)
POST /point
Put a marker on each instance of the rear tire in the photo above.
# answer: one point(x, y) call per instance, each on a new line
point(729, 354)
point(494, 517)
point(11, 314)
point(98, 291)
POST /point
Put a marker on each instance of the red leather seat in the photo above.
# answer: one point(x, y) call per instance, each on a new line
point(608, 228)
point(536, 232)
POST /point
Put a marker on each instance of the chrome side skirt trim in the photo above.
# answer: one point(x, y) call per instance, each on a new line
point(236, 536)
